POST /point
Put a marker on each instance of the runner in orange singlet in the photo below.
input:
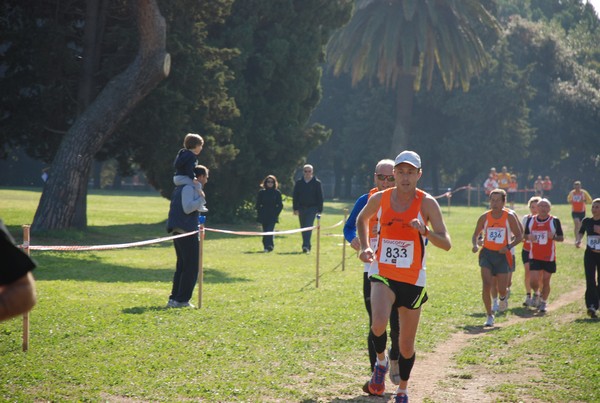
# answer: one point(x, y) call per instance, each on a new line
point(543, 230)
point(578, 198)
point(501, 232)
point(397, 270)
point(526, 248)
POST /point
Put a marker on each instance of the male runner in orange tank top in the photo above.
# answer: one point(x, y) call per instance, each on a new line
point(397, 271)
point(501, 232)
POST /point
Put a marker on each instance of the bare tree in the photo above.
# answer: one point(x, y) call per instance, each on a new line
point(63, 201)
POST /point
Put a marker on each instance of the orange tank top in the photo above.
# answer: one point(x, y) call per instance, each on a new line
point(400, 254)
point(542, 245)
point(578, 202)
point(496, 231)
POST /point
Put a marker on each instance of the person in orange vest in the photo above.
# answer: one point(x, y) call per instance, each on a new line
point(532, 204)
point(501, 233)
point(397, 263)
point(578, 198)
point(543, 231)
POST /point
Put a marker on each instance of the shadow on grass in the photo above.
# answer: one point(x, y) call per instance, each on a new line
point(524, 312)
point(360, 398)
point(470, 329)
point(67, 268)
point(588, 320)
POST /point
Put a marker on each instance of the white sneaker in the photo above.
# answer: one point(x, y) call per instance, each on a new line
point(503, 305)
point(535, 301)
point(176, 304)
point(495, 306)
point(528, 301)
point(490, 321)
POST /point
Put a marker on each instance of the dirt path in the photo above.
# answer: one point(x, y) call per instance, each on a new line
point(438, 367)
point(435, 377)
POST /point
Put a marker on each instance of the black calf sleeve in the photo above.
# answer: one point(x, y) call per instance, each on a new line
point(406, 365)
point(379, 341)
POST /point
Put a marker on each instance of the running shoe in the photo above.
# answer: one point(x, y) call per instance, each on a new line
point(377, 382)
point(535, 301)
point(401, 398)
point(489, 321)
point(542, 307)
point(528, 301)
point(177, 304)
point(503, 305)
point(592, 312)
point(495, 306)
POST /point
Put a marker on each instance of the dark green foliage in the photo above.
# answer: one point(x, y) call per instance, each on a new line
point(273, 52)
point(281, 46)
point(193, 99)
point(41, 54)
point(361, 119)
point(490, 123)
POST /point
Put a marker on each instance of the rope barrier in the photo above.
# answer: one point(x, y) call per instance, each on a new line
point(26, 245)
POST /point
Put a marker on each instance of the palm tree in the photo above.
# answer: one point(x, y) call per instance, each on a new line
point(399, 42)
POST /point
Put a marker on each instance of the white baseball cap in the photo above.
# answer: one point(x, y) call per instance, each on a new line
point(408, 157)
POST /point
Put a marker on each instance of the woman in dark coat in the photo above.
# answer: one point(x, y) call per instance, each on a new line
point(268, 207)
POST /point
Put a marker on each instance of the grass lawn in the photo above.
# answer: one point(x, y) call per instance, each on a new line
point(101, 332)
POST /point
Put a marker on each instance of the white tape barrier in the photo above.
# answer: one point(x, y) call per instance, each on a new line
point(163, 239)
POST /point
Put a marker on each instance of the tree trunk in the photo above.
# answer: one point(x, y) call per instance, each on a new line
point(404, 105)
point(95, 16)
point(66, 188)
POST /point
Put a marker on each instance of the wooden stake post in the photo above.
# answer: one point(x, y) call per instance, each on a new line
point(318, 247)
point(201, 221)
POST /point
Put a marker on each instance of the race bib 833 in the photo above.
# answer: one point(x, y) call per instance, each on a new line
point(397, 252)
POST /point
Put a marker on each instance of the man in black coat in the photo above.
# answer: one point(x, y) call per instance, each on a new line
point(307, 203)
